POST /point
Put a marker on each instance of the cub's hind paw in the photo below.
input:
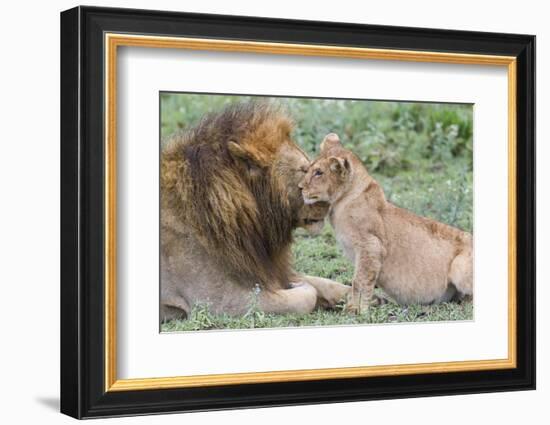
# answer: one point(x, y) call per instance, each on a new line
point(377, 301)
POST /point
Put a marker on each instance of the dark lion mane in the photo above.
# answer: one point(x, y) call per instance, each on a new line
point(237, 207)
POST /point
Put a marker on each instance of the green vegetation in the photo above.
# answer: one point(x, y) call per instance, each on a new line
point(421, 154)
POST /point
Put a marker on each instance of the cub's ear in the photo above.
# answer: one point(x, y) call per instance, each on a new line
point(339, 165)
point(331, 140)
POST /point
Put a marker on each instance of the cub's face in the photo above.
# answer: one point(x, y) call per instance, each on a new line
point(290, 166)
point(324, 179)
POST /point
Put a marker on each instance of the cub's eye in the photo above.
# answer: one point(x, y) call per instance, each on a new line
point(317, 173)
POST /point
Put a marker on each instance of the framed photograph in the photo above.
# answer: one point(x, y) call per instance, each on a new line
point(260, 212)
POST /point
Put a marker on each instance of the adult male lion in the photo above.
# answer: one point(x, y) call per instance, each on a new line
point(229, 202)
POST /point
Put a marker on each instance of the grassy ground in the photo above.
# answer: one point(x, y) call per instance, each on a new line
point(420, 153)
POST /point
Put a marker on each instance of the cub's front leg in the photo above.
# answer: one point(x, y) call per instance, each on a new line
point(368, 262)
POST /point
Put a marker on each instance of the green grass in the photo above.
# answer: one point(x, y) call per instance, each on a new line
point(420, 153)
point(387, 313)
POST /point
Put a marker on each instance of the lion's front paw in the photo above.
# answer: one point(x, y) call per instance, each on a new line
point(337, 298)
point(330, 293)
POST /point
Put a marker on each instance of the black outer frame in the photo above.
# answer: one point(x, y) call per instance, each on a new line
point(82, 217)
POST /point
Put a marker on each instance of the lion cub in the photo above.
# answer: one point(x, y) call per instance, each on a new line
point(413, 259)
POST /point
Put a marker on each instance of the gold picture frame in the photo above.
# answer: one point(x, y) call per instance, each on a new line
point(114, 41)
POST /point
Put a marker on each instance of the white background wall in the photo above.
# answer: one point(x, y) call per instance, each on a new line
point(29, 212)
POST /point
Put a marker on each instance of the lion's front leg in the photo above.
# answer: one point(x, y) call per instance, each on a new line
point(329, 292)
point(301, 298)
point(304, 295)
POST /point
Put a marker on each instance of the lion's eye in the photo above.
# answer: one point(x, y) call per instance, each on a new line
point(317, 173)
